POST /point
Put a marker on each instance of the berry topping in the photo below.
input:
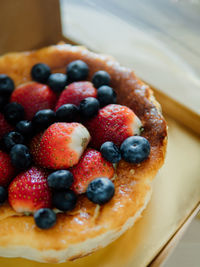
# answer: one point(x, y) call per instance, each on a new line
point(45, 218)
point(89, 107)
point(100, 190)
point(91, 165)
point(77, 70)
point(25, 128)
point(13, 112)
point(61, 145)
point(113, 123)
point(64, 200)
point(106, 95)
point(40, 72)
point(57, 82)
point(61, 179)
point(5, 127)
point(6, 169)
point(67, 113)
point(110, 152)
point(29, 191)
point(6, 85)
point(11, 139)
point(3, 194)
point(100, 78)
point(34, 97)
point(43, 119)
point(135, 149)
point(20, 156)
point(3, 102)
point(75, 92)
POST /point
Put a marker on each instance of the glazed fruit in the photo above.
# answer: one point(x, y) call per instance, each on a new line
point(7, 170)
point(90, 166)
point(64, 200)
point(40, 72)
point(25, 128)
point(33, 97)
point(20, 157)
point(3, 194)
point(106, 95)
point(61, 179)
point(6, 85)
point(89, 107)
point(14, 112)
point(110, 152)
point(11, 139)
point(4, 126)
point(67, 113)
point(29, 191)
point(3, 102)
point(77, 70)
point(57, 82)
point(100, 78)
point(45, 218)
point(43, 119)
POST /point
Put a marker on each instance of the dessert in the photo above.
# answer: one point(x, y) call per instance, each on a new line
point(82, 168)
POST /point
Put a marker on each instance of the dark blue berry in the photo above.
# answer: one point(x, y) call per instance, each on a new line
point(45, 218)
point(6, 85)
point(3, 194)
point(3, 102)
point(11, 139)
point(61, 179)
point(67, 113)
point(89, 107)
point(135, 149)
point(25, 128)
point(57, 82)
point(14, 112)
point(100, 190)
point(20, 157)
point(106, 95)
point(77, 70)
point(100, 78)
point(43, 119)
point(40, 72)
point(64, 200)
point(110, 152)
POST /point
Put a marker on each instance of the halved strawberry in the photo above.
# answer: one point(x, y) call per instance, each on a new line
point(5, 127)
point(113, 123)
point(91, 165)
point(7, 170)
point(33, 97)
point(75, 92)
point(61, 145)
point(29, 191)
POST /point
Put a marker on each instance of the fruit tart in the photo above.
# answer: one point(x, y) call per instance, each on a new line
point(81, 139)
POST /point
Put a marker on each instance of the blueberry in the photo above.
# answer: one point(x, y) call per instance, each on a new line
point(43, 119)
point(100, 190)
point(3, 194)
point(25, 128)
point(40, 72)
point(106, 95)
point(89, 107)
point(45, 218)
point(3, 102)
point(100, 78)
point(11, 139)
point(20, 156)
point(61, 179)
point(110, 152)
point(64, 200)
point(57, 82)
point(77, 70)
point(14, 112)
point(6, 85)
point(67, 113)
point(135, 149)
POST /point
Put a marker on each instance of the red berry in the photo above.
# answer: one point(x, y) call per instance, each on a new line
point(7, 171)
point(5, 127)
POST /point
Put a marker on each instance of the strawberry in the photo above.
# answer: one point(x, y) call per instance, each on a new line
point(5, 127)
point(75, 92)
point(29, 191)
point(33, 97)
point(60, 146)
point(91, 165)
point(113, 123)
point(7, 171)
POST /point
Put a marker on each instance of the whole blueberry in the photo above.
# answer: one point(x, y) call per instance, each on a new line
point(45, 218)
point(67, 113)
point(106, 95)
point(100, 190)
point(110, 152)
point(57, 82)
point(6, 85)
point(3, 194)
point(25, 128)
point(135, 149)
point(43, 119)
point(20, 157)
point(89, 107)
point(40, 72)
point(61, 179)
point(64, 200)
point(14, 112)
point(100, 78)
point(77, 70)
point(11, 139)
point(4, 100)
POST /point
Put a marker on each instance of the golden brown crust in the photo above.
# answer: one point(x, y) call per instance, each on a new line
point(132, 182)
